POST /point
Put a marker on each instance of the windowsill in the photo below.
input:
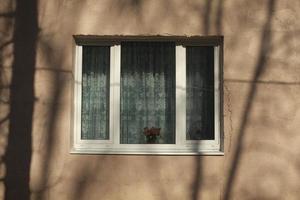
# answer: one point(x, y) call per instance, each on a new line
point(126, 151)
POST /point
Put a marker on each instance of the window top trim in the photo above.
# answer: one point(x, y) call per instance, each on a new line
point(109, 40)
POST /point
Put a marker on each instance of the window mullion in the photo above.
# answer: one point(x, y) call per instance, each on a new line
point(78, 94)
point(180, 95)
point(115, 93)
point(217, 93)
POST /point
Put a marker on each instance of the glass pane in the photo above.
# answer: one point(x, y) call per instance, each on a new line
point(200, 93)
point(147, 93)
point(95, 93)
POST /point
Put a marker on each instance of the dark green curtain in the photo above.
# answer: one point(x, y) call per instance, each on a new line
point(147, 91)
point(95, 93)
point(200, 93)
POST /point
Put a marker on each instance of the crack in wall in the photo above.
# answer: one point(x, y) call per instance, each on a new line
point(230, 113)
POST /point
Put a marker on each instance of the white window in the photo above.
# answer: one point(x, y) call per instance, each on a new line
point(147, 95)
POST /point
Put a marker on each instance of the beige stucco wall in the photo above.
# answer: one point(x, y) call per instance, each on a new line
point(261, 101)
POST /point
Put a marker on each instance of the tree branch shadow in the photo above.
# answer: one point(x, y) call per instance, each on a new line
point(264, 51)
point(206, 24)
point(49, 137)
point(206, 17)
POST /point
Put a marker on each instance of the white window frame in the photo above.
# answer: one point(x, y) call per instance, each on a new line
point(182, 146)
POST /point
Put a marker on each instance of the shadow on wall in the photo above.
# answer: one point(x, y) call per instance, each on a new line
point(206, 24)
point(5, 51)
point(18, 152)
point(22, 99)
point(18, 156)
point(262, 59)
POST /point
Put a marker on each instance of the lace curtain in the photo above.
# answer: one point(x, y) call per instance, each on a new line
point(200, 93)
point(95, 92)
point(147, 91)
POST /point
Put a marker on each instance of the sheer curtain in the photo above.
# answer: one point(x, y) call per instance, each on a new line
point(200, 93)
point(147, 91)
point(95, 92)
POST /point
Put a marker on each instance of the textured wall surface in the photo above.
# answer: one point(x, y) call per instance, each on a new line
point(261, 101)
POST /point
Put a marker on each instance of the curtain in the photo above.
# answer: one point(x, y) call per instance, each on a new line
point(95, 93)
point(200, 93)
point(147, 91)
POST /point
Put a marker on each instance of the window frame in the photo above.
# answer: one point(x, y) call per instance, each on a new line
point(182, 146)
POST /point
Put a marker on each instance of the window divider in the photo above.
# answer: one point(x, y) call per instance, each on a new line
point(217, 93)
point(77, 94)
point(115, 89)
point(180, 95)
